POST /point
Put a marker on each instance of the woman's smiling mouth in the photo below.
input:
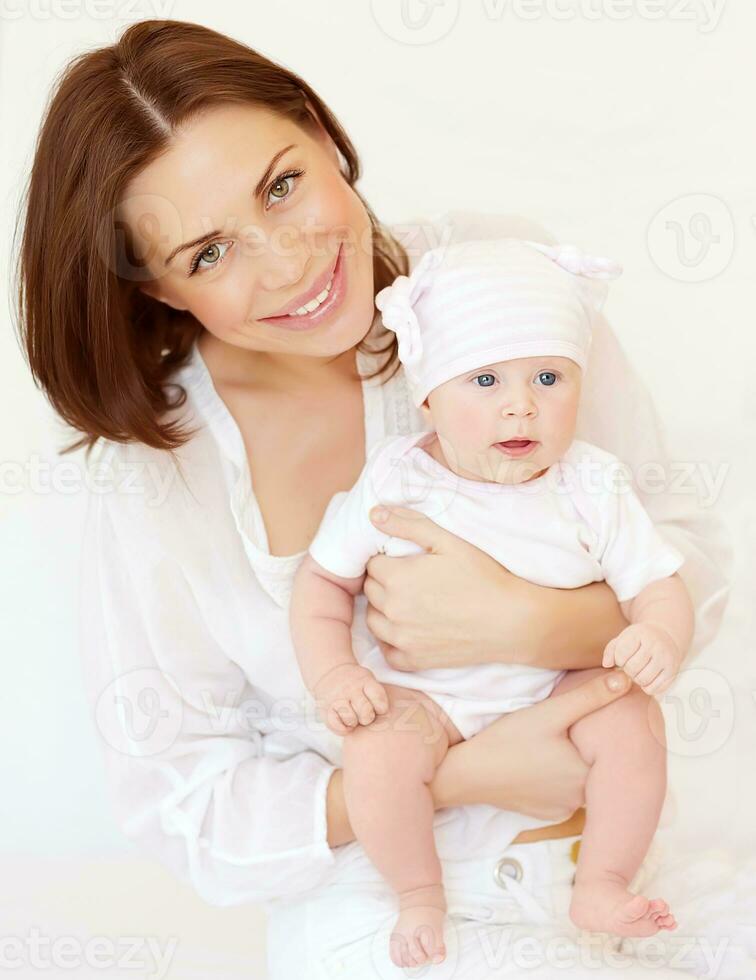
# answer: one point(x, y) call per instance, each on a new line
point(310, 314)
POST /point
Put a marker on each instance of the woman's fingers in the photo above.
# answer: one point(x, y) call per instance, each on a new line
point(565, 709)
point(374, 591)
point(403, 522)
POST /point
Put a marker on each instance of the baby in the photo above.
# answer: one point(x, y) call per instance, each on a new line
point(493, 336)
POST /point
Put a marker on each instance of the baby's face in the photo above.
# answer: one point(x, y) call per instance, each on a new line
point(530, 398)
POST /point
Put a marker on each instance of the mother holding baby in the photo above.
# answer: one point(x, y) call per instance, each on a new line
point(198, 274)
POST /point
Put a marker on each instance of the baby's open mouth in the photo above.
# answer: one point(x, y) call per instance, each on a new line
point(516, 447)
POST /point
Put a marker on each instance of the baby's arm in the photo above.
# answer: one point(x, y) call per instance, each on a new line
point(651, 650)
point(321, 612)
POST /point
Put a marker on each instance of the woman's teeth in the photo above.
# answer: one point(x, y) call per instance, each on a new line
point(314, 303)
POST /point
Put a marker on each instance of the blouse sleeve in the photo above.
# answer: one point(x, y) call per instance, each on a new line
point(239, 815)
point(617, 413)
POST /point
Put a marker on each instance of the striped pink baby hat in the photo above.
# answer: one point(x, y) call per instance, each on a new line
point(478, 302)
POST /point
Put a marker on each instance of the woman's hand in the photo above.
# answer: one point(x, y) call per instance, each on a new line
point(456, 606)
point(442, 608)
point(525, 760)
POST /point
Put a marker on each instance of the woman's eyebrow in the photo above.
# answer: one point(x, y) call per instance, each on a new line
point(258, 191)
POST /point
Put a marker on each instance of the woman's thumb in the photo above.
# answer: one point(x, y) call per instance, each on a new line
point(403, 522)
point(587, 697)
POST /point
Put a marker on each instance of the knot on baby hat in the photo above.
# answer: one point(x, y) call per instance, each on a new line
point(397, 305)
point(479, 302)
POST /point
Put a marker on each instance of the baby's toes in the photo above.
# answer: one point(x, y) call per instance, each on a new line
point(666, 922)
point(657, 907)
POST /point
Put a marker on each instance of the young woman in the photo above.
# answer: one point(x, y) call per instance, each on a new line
point(187, 196)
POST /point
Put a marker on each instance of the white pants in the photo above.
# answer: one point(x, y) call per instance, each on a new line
point(507, 917)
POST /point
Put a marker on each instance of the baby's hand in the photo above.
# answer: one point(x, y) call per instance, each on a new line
point(350, 695)
point(647, 653)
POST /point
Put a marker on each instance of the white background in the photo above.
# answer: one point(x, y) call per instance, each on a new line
point(624, 131)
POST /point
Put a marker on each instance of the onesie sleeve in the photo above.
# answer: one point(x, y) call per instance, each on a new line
point(630, 549)
point(237, 814)
point(346, 538)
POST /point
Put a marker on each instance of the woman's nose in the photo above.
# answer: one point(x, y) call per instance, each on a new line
point(279, 273)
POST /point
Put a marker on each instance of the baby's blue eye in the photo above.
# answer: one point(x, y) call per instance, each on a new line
point(547, 378)
point(492, 380)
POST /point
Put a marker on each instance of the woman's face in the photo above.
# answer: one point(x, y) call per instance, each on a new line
point(255, 251)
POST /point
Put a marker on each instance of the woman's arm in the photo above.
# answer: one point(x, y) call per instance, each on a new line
point(523, 762)
point(568, 629)
point(200, 777)
point(456, 606)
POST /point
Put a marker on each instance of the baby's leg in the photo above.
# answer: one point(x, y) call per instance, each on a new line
point(625, 746)
point(388, 766)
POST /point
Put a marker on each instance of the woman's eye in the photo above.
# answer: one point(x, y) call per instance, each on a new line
point(488, 380)
point(284, 181)
point(547, 378)
point(209, 253)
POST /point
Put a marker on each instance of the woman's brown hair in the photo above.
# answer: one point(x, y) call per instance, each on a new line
point(102, 350)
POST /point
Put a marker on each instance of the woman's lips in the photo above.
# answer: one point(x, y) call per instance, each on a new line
point(330, 303)
point(516, 447)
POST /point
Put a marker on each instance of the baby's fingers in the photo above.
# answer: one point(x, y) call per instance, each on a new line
point(345, 713)
point(335, 724)
point(660, 684)
point(649, 673)
point(378, 695)
point(625, 645)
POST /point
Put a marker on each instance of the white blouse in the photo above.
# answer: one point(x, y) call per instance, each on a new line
point(216, 765)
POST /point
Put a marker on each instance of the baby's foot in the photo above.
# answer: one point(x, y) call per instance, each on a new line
point(418, 935)
point(605, 905)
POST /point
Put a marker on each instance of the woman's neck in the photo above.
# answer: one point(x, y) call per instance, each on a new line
point(237, 366)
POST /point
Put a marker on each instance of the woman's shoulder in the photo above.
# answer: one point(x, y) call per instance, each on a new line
point(143, 488)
